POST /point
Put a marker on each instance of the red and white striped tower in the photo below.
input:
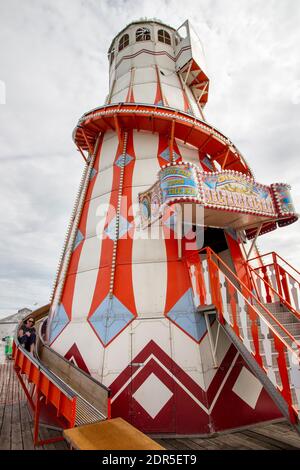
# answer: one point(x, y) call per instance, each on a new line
point(122, 307)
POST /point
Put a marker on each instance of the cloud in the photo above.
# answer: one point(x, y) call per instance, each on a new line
point(54, 66)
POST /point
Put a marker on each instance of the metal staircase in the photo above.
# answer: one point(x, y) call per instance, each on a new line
point(259, 319)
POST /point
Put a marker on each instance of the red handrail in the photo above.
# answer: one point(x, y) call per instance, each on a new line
point(273, 253)
point(209, 250)
point(284, 386)
point(45, 388)
point(281, 267)
point(282, 299)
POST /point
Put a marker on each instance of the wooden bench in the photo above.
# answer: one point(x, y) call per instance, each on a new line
point(112, 434)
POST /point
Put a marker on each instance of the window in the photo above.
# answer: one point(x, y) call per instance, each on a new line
point(182, 32)
point(143, 34)
point(124, 41)
point(112, 56)
point(163, 36)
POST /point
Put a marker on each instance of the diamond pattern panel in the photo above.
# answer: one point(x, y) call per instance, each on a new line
point(247, 387)
point(185, 316)
point(78, 239)
point(110, 318)
point(166, 155)
point(152, 395)
point(119, 161)
point(59, 321)
point(124, 227)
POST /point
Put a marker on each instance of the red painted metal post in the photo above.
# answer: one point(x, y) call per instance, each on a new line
point(284, 375)
point(233, 305)
point(266, 284)
point(37, 413)
point(284, 283)
point(25, 389)
point(277, 273)
point(254, 331)
point(73, 418)
point(109, 408)
point(215, 286)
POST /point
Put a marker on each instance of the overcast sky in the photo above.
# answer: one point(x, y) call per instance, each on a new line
point(53, 67)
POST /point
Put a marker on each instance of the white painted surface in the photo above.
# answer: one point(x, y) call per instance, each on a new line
point(247, 387)
point(188, 152)
point(154, 329)
point(145, 146)
point(103, 182)
point(145, 75)
point(150, 286)
point(186, 354)
point(144, 93)
point(81, 333)
point(117, 356)
point(83, 293)
point(145, 172)
point(153, 395)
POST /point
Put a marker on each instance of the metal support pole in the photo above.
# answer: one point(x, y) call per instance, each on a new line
point(211, 342)
point(188, 72)
point(202, 93)
point(91, 151)
point(254, 240)
point(82, 154)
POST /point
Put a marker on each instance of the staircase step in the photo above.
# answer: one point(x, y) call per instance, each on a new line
point(275, 307)
point(274, 360)
point(292, 328)
point(284, 317)
point(261, 345)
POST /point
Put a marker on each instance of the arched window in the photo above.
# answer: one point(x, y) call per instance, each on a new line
point(112, 56)
point(163, 36)
point(124, 41)
point(143, 34)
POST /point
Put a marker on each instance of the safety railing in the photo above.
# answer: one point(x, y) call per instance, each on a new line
point(40, 386)
point(281, 275)
point(47, 378)
point(91, 391)
point(270, 344)
point(267, 293)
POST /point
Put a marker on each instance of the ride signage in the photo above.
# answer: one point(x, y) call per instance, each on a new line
point(184, 182)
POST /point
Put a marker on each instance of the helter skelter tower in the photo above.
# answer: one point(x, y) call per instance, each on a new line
point(132, 305)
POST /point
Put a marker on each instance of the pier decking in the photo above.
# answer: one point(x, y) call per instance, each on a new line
point(16, 427)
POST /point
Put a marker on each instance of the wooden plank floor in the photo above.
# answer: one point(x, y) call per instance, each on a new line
point(16, 423)
point(16, 427)
point(271, 436)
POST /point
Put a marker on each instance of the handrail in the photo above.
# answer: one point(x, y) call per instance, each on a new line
point(62, 382)
point(247, 322)
point(273, 253)
point(61, 385)
point(209, 250)
point(53, 378)
point(282, 299)
point(60, 363)
point(270, 326)
point(281, 267)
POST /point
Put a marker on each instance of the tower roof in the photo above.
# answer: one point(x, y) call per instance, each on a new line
point(141, 21)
